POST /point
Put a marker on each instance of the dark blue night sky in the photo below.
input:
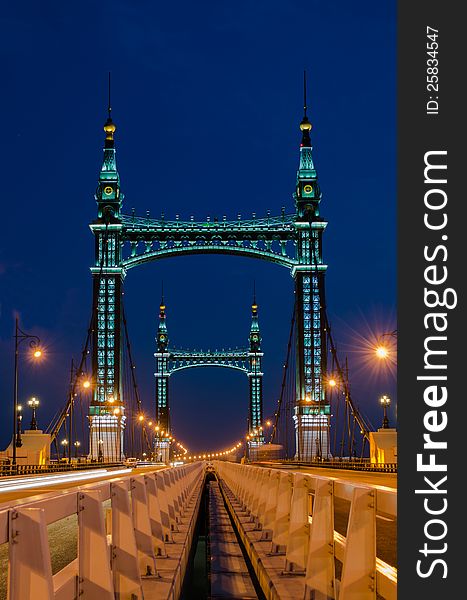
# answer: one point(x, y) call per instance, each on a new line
point(207, 98)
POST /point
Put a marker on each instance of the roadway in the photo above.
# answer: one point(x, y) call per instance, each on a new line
point(19, 487)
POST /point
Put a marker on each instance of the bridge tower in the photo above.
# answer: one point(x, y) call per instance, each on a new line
point(294, 241)
point(106, 412)
point(247, 360)
point(312, 410)
point(162, 441)
point(255, 379)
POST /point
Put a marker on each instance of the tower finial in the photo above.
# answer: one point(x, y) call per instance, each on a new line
point(305, 124)
point(109, 107)
point(162, 294)
point(304, 92)
point(109, 126)
point(254, 306)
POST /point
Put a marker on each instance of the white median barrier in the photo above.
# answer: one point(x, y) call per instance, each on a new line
point(280, 528)
point(94, 572)
point(271, 504)
point(142, 526)
point(263, 494)
point(155, 517)
point(359, 570)
point(30, 571)
point(170, 493)
point(300, 519)
point(164, 507)
point(125, 567)
point(298, 535)
point(320, 581)
point(114, 563)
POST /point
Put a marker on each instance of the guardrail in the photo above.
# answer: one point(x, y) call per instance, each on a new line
point(286, 521)
point(8, 470)
point(353, 465)
point(120, 550)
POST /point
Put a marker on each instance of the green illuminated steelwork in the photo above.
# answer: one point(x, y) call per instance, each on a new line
point(107, 419)
point(290, 240)
point(312, 432)
point(169, 361)
point(255, 377)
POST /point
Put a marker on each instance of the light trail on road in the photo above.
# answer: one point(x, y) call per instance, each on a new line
point(41, 481)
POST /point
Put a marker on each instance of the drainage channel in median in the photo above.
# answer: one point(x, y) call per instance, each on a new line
point(219, 568)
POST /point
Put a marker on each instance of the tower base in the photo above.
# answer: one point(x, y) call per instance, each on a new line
point(162, 451)
point(106, 438)
point(254, 447)
point(312, 427)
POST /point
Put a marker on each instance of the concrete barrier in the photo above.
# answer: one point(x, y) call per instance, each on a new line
point(130, 561)
point(297, 511)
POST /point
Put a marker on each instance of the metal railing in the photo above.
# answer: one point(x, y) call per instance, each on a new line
point(354, 464)
point(117, 547)
point(289, 518)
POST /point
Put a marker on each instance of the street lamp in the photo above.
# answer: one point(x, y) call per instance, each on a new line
point(33, 403)
point(64, 444)
point(381, 350)
point(19, 418)
point(76, 445)
point(385, 401)
point(34, 344)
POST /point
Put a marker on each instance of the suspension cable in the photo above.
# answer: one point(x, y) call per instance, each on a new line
point(284, 375)
point(54, 426)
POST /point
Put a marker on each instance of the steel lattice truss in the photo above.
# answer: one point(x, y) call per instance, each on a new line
point(231, 359)
point(269, 238)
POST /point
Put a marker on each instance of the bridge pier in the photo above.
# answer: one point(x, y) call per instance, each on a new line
point(106, 437)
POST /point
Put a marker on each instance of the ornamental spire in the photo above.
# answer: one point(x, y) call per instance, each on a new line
point(108, 193)
point(305, 124)
point(307, 194)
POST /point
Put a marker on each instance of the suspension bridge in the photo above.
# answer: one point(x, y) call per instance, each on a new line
point(284, 526)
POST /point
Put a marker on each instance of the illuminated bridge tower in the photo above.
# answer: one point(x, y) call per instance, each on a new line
point(162, 441)
point(106, 413)
point(312, 410)
point(255, 379)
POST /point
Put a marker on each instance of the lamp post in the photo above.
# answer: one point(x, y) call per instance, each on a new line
point(381, 349)
point(34, 344)
point(19, 418)
point(100, 454)
point(76, 445)
point(33, 403)
point(385, 401)
point(64, 444)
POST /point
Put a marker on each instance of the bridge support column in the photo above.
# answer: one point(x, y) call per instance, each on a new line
point(162, 450)
point(312, 411)
point(106, 435)
point(106, 413)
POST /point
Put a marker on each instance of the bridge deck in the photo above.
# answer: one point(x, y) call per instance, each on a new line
point(228, 571)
